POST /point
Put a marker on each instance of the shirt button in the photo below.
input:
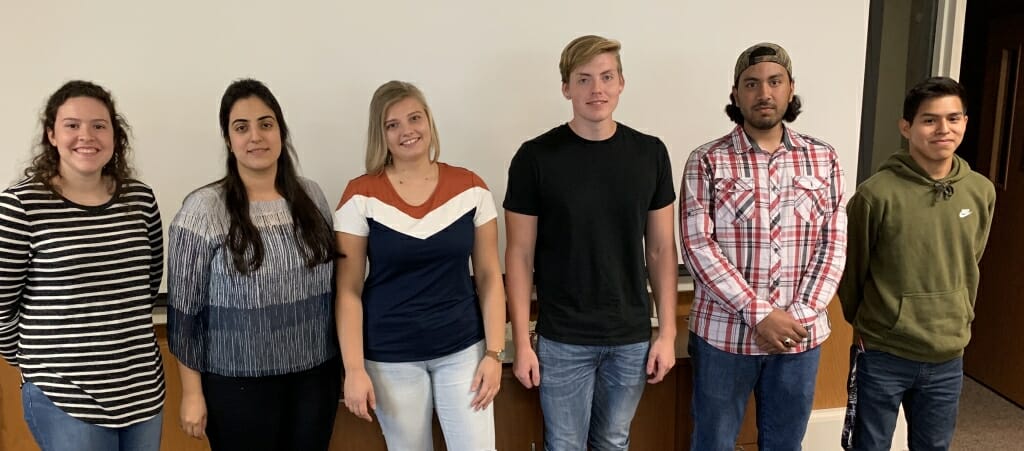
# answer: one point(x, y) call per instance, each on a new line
point(775, 188)
point(775, 284)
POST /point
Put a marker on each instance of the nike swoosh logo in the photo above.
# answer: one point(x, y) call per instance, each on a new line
point(965, 212)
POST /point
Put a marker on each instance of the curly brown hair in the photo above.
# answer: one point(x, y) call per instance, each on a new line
point(45, 164)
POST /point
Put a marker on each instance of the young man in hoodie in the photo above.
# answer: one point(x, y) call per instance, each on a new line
point(763, 231)
point(917, 231)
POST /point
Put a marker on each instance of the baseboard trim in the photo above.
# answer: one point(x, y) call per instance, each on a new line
point(826, 426)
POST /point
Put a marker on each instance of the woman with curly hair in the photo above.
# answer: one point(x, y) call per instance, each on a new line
point(81, 258)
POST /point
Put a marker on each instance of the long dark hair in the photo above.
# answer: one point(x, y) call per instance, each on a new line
point(736, 115)
point(46, 161)
point(309, 226)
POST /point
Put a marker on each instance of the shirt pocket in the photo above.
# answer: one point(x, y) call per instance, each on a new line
point(735, 201)
point(811, 198)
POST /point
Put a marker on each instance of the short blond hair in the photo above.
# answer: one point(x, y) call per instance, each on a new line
point(390, 93)
point(583, 49)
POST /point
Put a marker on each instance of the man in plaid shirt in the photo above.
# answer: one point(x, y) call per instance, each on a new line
point(763, 231)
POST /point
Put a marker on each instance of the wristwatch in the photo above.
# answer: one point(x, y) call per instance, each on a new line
point(498, 355)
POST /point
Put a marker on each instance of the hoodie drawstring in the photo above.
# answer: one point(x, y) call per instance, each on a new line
point(943, 190)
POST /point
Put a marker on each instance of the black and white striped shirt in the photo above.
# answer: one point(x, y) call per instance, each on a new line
point(77, 285)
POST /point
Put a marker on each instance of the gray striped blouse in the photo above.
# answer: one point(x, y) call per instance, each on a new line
point(278, 319)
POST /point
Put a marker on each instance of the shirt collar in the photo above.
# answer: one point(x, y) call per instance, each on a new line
point(741, 142)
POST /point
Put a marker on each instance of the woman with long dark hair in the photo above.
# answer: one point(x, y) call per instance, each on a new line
point(81, 258)
point(250, 290)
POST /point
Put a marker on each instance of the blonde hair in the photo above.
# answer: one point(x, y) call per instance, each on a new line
point(583, 49)
point(390, 93)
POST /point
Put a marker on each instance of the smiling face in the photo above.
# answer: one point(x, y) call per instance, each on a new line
point(763, 93)
point(594, 89)
point(937, 130)
point(254, 137)
point(407, 130)
point(84, 137)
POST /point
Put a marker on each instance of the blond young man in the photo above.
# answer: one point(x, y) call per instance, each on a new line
point(588, 207)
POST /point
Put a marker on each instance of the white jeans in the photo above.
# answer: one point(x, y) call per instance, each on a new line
point(407, 393)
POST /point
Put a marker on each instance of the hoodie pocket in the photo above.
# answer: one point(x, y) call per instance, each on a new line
point(936, 321)
point(735, 200)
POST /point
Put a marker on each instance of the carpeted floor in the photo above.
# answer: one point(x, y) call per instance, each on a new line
point(987, 422)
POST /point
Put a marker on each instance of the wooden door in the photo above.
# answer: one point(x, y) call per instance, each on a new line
point(995, 356)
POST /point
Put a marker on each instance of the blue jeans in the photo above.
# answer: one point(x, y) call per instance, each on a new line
point(589, 393)
point(783, 386)
point(929, 392)
point(55, 430)
point(408, 392)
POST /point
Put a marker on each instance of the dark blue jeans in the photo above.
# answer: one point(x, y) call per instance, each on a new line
point(783, 386)
point(929, 392)
point(55, 430)
point(589, 393)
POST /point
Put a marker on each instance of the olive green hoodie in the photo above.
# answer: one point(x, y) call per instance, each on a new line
point(911, 273)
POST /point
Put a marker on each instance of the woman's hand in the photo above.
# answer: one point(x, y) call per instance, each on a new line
point(486, 382)
point(359, 397)
point(193, 415)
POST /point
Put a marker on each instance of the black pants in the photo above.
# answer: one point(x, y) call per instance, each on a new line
point(275, 413)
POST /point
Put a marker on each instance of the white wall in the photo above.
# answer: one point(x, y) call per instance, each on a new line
point(489, 70)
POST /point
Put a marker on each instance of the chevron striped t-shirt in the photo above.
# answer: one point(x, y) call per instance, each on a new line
point(419, 301)
point(77, 285)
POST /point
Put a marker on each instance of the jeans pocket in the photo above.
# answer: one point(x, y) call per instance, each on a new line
point(32, 405)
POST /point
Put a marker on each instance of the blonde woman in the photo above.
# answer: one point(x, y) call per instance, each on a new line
point(416, 333)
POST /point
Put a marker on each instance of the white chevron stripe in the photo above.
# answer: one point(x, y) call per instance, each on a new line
point(349, 218)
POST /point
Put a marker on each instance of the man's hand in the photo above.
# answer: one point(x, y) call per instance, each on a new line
point(526, 367)
point(778, 332)
point(660, 359)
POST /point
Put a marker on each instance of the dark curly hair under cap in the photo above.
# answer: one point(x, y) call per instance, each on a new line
point(45, 164)
point(734, 113)
point(765, 52)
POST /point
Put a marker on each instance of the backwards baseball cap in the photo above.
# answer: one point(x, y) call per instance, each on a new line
point(760, 53)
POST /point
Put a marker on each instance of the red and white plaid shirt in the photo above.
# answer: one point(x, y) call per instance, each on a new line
point(762, 231)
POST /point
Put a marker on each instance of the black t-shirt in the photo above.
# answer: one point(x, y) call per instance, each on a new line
point(591, 200)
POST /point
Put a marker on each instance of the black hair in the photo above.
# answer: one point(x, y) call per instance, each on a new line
point(931, 88)
point(314, 235)
point(734, 113)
